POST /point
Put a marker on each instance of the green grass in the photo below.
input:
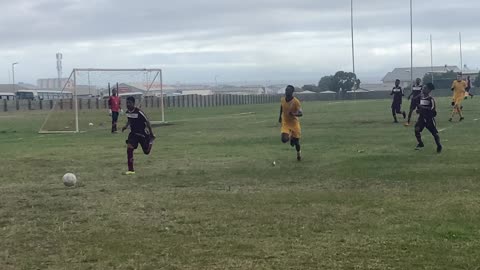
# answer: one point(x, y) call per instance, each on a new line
point(208, 196)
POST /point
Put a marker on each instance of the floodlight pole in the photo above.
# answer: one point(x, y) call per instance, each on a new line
point(13, 75)
point(461, 52)
point(431, 55)
point(353, 42)
point(411, 44)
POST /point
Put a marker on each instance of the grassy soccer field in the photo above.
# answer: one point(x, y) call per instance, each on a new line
point(209, 197)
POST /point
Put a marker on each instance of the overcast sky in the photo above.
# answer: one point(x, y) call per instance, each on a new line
point(254, 40)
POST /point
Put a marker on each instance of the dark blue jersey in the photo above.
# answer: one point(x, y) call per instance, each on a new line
point(427, 107)
point(397, 93)
point(138, 121)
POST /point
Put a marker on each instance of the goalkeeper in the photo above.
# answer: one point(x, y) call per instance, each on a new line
point(115, 104)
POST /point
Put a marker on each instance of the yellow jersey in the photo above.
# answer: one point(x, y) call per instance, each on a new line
point(459, 89)
point(292, 106)
point(290, 123)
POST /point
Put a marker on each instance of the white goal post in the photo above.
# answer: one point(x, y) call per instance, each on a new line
point(94, 86)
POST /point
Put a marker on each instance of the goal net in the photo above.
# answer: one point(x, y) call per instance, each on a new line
point(84, 105)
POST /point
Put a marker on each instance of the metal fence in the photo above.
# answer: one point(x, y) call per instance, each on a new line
point(191, 101)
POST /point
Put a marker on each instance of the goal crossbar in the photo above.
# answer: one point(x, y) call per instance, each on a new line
point(73, 77)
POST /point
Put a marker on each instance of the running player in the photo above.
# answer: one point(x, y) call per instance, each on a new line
point(416, 92)
point(426, 119)
point(458, 88)
point(398, 94)
point(290, 111)
point(140, 133)
point(469, 88)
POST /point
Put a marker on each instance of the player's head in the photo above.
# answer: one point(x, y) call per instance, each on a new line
point(289, 91)
point(459, 76)
point(130, 103)
point(397, 82)
point(114, 92)
point(418, 81)
point(429, 87)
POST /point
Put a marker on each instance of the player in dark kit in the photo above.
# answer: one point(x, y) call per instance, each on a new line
point(416, 92)
point(140, 133)
point(397, 93)
point(426, 119)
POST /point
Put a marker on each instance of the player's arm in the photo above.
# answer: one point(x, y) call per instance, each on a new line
point(411, 94)
point(299, 113)
point(147, 123)
point(126, 125)
point(401, 91)
point(110, 106)
point(453, 86)
point(298, 110)
point(149, 126)
point(280, 117)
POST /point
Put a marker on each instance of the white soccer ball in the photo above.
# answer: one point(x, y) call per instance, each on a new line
point(69, 179)
point(90, 124)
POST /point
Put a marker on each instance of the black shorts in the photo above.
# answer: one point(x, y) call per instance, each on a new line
point(426, 122)
point(134, 139)
point(397, 106)
point(414, 104)
point(114, 117)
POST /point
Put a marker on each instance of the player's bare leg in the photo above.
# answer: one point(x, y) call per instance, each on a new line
point(130, 150)
point(285, 137)
point(296, 142)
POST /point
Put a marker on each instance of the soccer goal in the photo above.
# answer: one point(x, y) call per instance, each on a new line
point(89, 90)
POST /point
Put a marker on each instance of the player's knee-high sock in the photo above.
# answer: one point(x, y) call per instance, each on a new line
point(453, 113)
point(297, 146)
point(409, 116)
point(437, 139)
point(130, 159)
point(394, 113)
point(460, 112)
point(418, 135)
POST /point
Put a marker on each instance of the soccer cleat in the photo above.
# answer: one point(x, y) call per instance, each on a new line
point(439, 149)
point(406, 124)
point(404, 115)
point(299, 156)
point(129, 173)
point(420, 146)
point(450, 120)
point(462, 118)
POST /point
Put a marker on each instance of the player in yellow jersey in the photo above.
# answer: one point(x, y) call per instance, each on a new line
point(458, 88)
point(290, 111)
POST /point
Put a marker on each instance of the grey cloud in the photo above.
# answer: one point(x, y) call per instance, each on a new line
point(35, 29)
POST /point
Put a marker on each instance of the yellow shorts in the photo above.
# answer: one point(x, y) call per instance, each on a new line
point(293, 130)
point(458, 100)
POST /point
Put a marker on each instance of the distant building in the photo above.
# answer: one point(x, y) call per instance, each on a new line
point(403, 74)
point(9, 88)
point(51, 83)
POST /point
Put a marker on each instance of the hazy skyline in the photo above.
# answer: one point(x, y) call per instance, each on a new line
point(262, 40)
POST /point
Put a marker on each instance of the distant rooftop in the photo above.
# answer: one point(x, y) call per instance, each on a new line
point(403, 74)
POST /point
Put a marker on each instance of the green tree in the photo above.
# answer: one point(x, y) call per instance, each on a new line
point(327, 83)
point(345, 81)
point(341, 82)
